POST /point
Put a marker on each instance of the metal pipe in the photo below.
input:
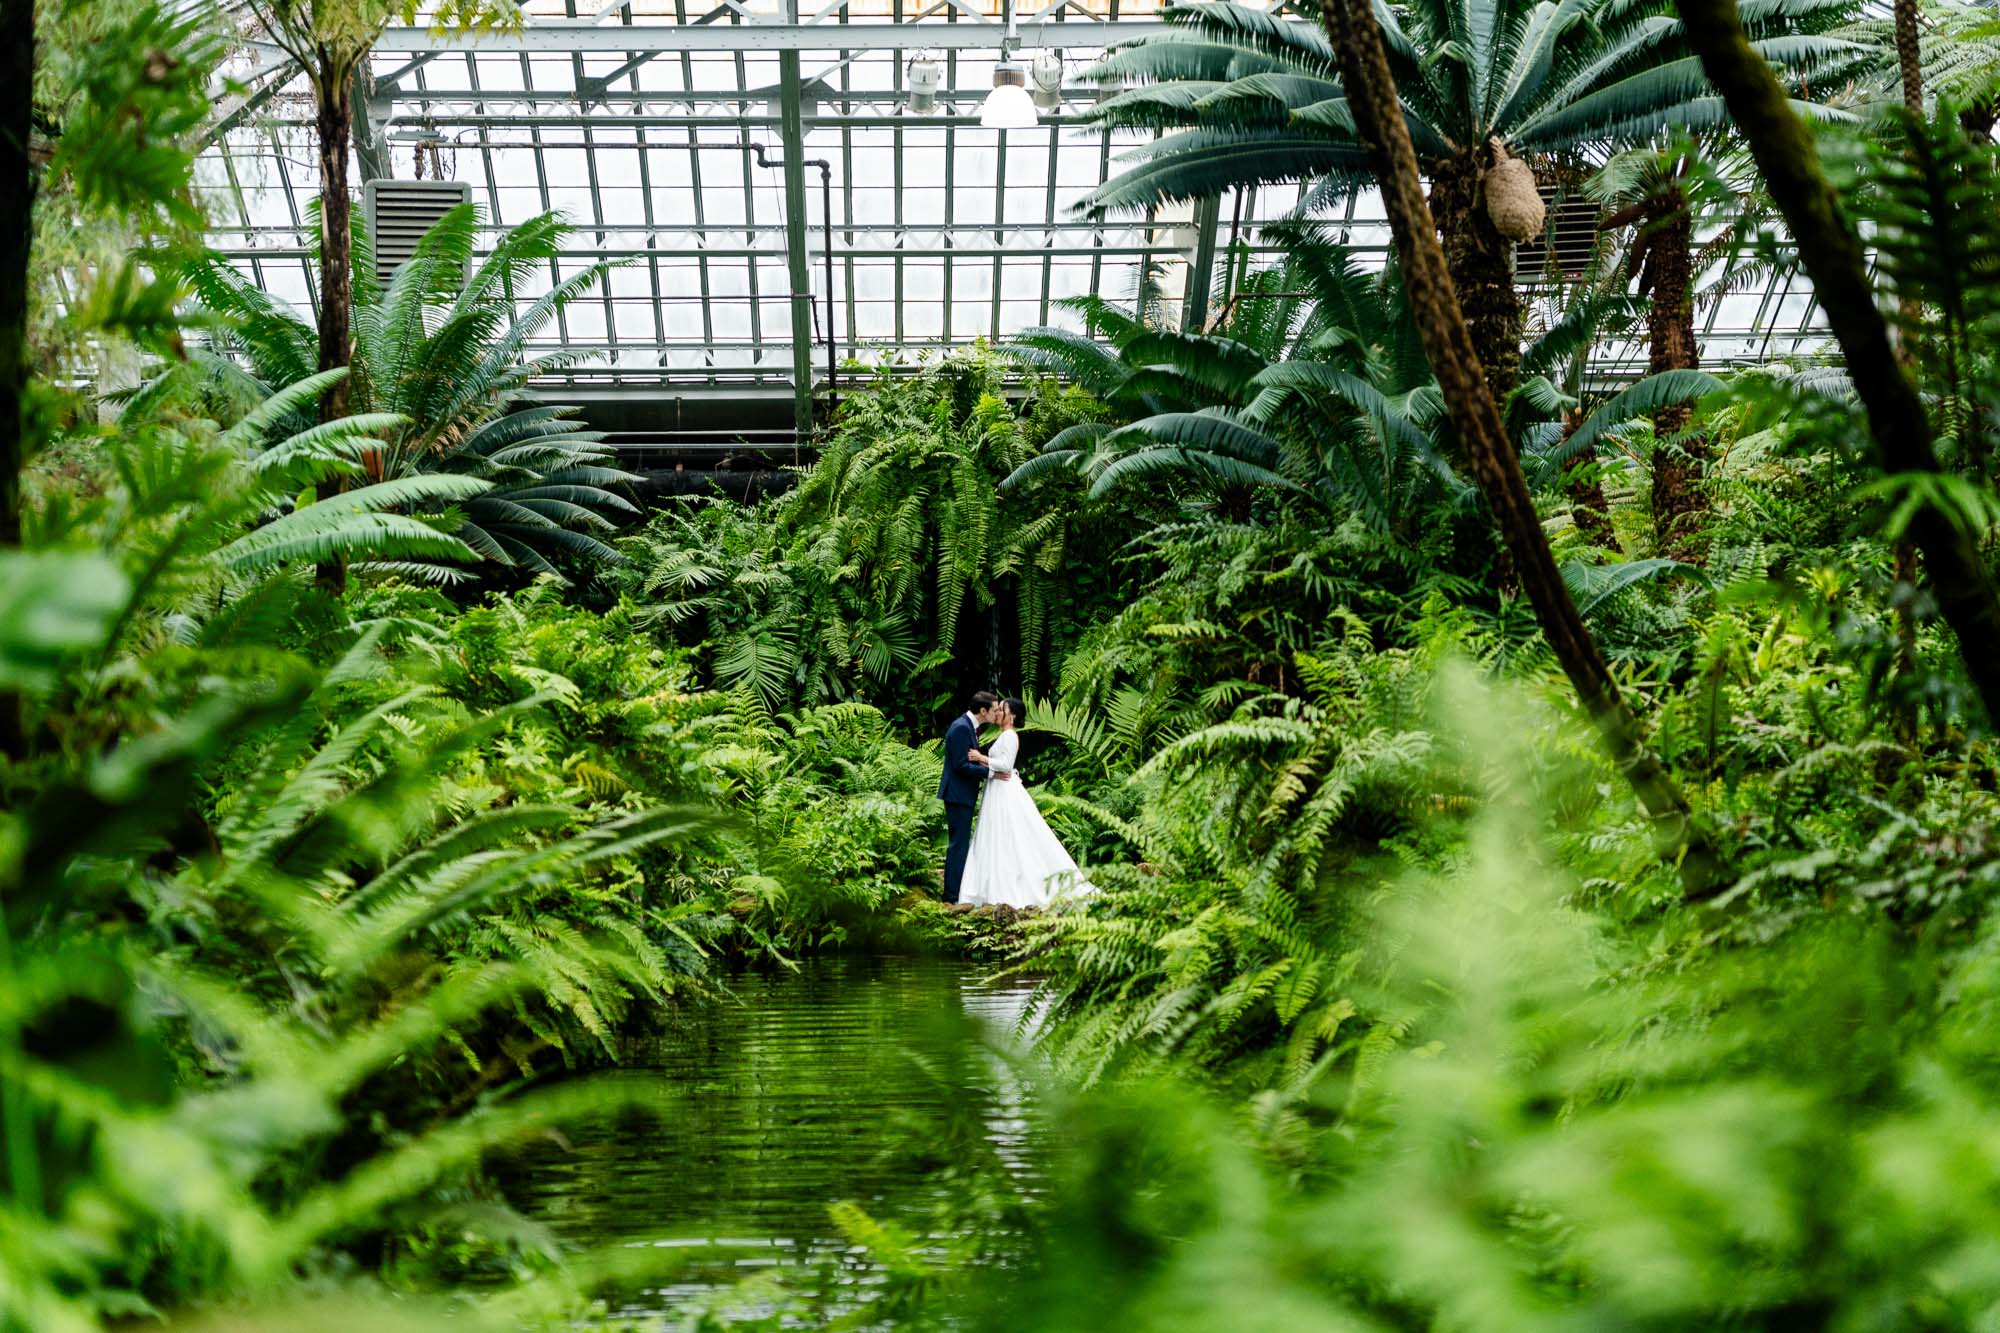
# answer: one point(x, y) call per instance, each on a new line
point(672, 38)
point(826, 229)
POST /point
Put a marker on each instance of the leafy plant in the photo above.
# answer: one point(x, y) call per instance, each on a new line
point(448, 357)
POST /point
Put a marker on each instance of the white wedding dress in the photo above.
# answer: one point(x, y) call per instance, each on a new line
point(1015, 860)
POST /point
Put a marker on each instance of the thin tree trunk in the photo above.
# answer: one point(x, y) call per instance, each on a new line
point(17, 231)
point(1784, 151)
point(1589, 507)
point(1679, 456)
point(1909, 55)
point(1378, 117)
point(336, 270)
point(1905, 568)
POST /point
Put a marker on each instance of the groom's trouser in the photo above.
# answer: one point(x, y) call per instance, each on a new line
point(958, 823)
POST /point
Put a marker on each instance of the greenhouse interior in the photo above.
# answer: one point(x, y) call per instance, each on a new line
point(1183, 666)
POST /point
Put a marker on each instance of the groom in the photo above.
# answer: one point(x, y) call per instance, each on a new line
point(964, 771)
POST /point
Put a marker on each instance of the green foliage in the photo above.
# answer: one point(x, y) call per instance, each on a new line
point(857, 585)
point(1546, 1121)
point(443, 362)
point(1247, 98)
point(226, 1007)
point(1382, 1013)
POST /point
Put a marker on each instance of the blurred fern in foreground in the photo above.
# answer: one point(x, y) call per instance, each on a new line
point(1555, 1122)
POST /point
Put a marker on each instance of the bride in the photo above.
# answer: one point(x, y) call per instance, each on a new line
point(1015, 860)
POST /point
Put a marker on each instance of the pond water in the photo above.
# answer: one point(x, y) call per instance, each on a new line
point(884, 1082)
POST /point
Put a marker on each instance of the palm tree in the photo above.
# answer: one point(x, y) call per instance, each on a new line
point(1326, 394)
point(1184, 391)
point(329, 42)
point(1319, 330)
point(249, 518)
point(1669, 193)
point(1249, 98)
point(1366, 64)
point(448, 356)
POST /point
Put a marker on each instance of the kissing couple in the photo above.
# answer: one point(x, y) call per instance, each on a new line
point(1011, 858)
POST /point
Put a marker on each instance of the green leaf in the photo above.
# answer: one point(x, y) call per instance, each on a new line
point(54, 606)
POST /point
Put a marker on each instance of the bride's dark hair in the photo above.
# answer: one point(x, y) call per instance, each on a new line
point(1018, 709)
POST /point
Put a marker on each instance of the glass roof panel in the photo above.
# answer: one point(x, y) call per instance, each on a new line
point(637, 120)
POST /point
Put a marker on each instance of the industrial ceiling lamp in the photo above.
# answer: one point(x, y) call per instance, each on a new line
point(1047, 76)
point(1008, 106)
point(926, 76)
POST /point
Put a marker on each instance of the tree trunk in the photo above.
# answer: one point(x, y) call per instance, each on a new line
point(1475, 411)
point(336, 268)
point(1906, 570)
point(17, 231)
point(1827, 246)
point(1909, 55)
point(1679, 461)
point(1589, 508)
point(1481, 264)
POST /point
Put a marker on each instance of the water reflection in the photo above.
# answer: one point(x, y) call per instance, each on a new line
point(882, 1082)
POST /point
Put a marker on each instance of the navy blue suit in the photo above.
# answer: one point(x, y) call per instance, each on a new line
point(958, 788)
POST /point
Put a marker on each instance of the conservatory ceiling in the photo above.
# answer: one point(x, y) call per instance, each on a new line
point(640, 122)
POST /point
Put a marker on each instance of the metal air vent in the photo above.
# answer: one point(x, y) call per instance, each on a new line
point(1570, 236)
point(400, 212)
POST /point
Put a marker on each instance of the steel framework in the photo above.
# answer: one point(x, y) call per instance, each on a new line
point(642, 121)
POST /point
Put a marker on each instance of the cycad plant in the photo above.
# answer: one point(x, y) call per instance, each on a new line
point(1487, 87)
point(1695, 215)
point(1181, 388)
point(223, 513)
point(450, 357)
point(1960, 63)
point(1218, 410)
point(1327, 395)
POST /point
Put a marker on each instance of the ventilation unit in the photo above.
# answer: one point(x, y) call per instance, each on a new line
point(400, 212)
point(1568, 239)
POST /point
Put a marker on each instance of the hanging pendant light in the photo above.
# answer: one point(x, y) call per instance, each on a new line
point(1008, 106)
point(926, 77)
point(1047, 77)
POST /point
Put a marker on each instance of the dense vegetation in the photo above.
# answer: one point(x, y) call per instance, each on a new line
point(1543, 825)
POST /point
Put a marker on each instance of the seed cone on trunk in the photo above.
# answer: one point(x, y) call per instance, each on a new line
point(1512, 201)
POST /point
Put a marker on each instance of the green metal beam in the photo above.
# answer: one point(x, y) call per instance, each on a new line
point(367, 134)
point(792, 128)
point(1201, 269)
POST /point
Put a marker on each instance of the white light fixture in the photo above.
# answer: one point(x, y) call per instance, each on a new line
point(1008, 106)
point(1047, 76)
point(926, 76)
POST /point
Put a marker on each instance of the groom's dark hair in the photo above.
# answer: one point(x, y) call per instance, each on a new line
point(984, 699)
